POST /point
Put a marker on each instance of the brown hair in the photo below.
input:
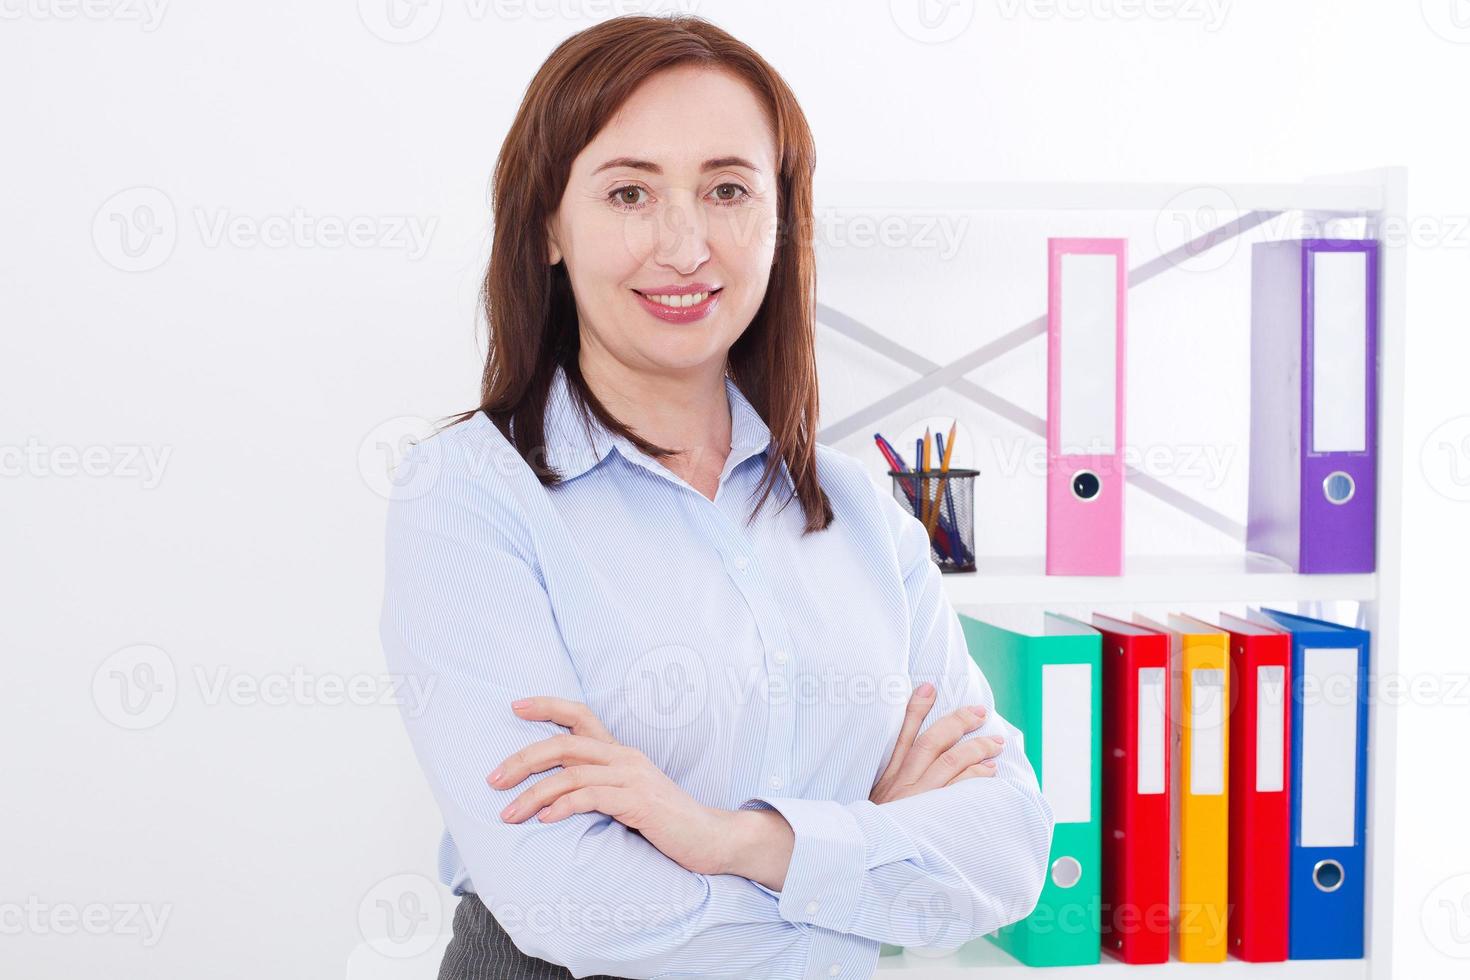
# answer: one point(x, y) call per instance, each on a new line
point(529, 305)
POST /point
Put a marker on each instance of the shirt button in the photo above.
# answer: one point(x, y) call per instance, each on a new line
point(811, 908)
point(779, 656)
point(742, 563)
point(775, 782)
point(834, 969)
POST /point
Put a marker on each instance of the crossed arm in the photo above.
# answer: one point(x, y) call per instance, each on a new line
point(597, 896)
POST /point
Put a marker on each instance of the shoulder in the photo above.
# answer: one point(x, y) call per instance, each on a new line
point(466, 479)
point(841, 469)
point(867, 496)
point(857, 492)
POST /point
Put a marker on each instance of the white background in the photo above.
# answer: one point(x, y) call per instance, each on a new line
point(231, 391)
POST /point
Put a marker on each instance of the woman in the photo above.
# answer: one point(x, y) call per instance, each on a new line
point(679, 726)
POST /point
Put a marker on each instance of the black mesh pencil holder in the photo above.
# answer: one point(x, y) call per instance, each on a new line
point(945, 504)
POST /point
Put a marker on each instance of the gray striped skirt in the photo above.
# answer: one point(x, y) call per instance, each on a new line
point(482, 950)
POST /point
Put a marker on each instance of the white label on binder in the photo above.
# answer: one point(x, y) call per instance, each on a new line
point(1151, 735)
point(1207, 732)
point(1270, 728)
point(1066, 740)
point(1329, 747)
point(1089, 354)
point(1339, 351)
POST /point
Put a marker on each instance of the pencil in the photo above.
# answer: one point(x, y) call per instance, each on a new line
point(943, 479)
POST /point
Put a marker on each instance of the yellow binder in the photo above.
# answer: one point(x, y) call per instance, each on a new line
point(1199, 693)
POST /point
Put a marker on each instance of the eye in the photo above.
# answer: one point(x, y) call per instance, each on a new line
point(627, 197)
point(730, 193)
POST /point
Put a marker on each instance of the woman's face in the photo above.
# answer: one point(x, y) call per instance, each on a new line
point(673, 202)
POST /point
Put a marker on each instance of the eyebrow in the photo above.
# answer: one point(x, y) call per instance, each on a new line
point(653, 168)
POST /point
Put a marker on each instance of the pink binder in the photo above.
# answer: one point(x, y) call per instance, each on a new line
point(1087, 291)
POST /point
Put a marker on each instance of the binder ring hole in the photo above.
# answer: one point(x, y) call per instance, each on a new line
point(1086, 485)
point(1066, 872)
point(1327, 876)
point(1339, 487)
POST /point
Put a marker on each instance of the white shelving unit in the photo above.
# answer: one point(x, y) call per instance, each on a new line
point(1020, 580)
point(1379, 197)
point(983, 960)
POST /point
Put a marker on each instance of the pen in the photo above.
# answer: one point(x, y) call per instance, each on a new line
point(947, 537)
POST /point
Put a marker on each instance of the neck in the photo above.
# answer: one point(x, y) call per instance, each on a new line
point(687, 411)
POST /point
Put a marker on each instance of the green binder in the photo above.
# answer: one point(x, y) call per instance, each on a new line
point(1045, 672)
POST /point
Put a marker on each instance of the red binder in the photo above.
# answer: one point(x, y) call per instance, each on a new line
point(1260, 790)
point(1135, 792)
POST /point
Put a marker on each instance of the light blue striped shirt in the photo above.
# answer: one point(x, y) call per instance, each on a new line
point(755, 666)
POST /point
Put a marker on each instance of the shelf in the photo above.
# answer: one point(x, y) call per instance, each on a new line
point(1022, 580)
point(984, 959)
point(1347, 198)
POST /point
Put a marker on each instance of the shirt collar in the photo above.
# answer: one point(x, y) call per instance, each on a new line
point(573, 448)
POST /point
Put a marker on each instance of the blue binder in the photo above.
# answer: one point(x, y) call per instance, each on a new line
point(1329, 782)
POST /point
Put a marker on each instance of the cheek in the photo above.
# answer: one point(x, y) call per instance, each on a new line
point(745, 245)
point(605, 252)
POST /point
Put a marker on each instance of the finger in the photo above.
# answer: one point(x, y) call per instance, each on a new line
point(958, 758)
point(552, 788)
point(938, 738)
point(920, 702)
point(571, 714)
point(558, 750)
point(594, 799)
point(978, 771)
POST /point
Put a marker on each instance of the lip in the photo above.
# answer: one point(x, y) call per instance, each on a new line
point(683, 314)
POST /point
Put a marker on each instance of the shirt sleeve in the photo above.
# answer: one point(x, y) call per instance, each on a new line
point(467, 616)
point(945, 866)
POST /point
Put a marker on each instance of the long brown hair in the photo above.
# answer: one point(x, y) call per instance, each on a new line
point(529, 305)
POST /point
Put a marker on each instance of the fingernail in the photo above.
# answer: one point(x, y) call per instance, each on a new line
point(977, 711)
point(519, 704)
point(988, 763)
point(508, 812)
point(495, 776)
point(925, 689)
point(998, 739)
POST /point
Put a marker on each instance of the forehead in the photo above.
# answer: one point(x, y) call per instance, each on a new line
point(683, 116)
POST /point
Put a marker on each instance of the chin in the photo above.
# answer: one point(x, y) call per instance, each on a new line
point(676, 355)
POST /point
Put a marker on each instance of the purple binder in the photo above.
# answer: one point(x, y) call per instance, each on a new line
point(1314, 403)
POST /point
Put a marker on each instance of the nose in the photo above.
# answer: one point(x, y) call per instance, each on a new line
point(682, 243)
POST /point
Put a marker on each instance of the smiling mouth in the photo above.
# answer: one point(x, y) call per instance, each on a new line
point(678, 302)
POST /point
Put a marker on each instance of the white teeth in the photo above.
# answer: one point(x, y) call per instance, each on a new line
point(677, 302)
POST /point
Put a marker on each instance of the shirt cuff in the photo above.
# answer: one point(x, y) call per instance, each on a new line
point(887, 841)
point(835, 846)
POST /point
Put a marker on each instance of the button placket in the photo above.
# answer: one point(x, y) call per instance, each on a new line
point(778, 759)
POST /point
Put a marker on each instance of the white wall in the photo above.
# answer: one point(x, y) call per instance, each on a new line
point(228, 395)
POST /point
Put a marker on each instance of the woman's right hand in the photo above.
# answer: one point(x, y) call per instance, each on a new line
point(936, 758)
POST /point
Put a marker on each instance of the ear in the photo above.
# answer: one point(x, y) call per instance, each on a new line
point(553, 250)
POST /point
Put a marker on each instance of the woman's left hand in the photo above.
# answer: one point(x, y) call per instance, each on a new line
point(601, 774)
